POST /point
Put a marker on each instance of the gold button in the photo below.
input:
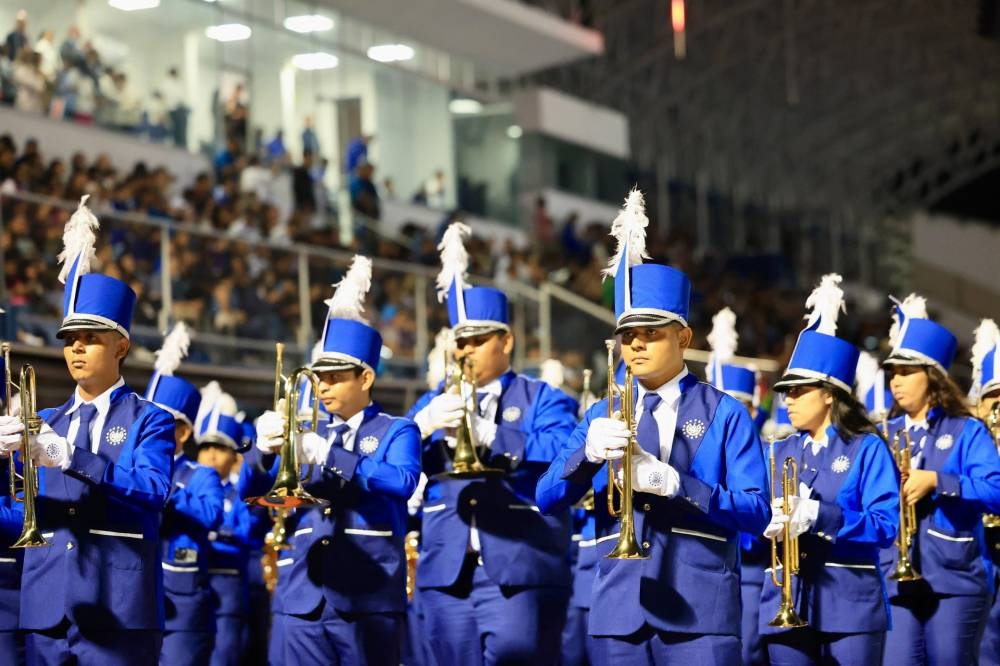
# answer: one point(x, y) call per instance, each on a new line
point(69, 546)
point(473, 502)
point(327, 511)
point(804, 555)
point(325, 542)
point(646, 507)
point(72, 511)
point(645, 544)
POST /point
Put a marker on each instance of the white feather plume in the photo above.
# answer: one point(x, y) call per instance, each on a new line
point(454, 257)
point(210, 394)
point(317, 351)
point(987, 336)
point(867, 374)
point(348, 301)
point(227, 406)
point(629, 229)
point(826, 302)
point(913, 307)
point(553, 373)
point(444, 343)
point(79, 238)
point(723, 338)
point(174, 350)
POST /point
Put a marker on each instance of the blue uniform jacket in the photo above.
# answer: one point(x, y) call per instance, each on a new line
point(102, 518)
point(950, 549)
point(691, 581)
point(11, 523)
point(519, 546)
point(840, 588)
point(193, 510)
point(351, 553)
point(229, 554)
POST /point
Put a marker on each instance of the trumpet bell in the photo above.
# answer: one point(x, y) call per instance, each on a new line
point(787, 618)
point(285, 498)
point(627, 549)
point(31, 537)
point(473, 470)
point(905, 572)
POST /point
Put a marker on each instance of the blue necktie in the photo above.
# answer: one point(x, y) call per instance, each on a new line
point(339, 431)
point(480, 396)
point(918, 436)
point(648, 432)
point(87, 413)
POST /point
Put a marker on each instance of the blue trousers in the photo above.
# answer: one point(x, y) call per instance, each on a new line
point(754, 653)
point(186, 648)
point(935, 629)
point(230, 640)
point(806, 646)
point(327, 637)
point(11, 647)
point(989, 653)
point(649, 647)
point(414, 649)
point(67, 644)
point(574, 637)
point(478, 622)
point(259, 632)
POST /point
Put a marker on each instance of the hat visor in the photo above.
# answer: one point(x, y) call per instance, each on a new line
point(902, 357)
point(789, 381)
point(472, 330)
point(645, 319)
point(333, 365)
point(81, 323)
point(215, 439)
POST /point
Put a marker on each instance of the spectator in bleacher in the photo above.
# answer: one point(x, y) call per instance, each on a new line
point(128, 113)
point(227, 160)
point(32, 90)
point(276, 151)
point(173, 98)
point(364, 195)
point(236, 114)
point(302, 185)
point(8, 91)
point(70, 52)
point(17, 38)
point(46, 49)
point(542, 227)
point(310, 142)
point(435, 190)
point(357, 153)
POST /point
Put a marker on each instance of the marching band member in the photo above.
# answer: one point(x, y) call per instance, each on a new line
point(847, 506)
point(193, 509)
point(698, 480)
point(11, 559)
point(219, 440)
point(493, 578)
point(94, 595)
point(341, 596)
point(755, 554)
point(954, 479)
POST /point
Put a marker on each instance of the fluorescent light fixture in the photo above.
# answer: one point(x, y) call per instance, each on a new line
point(390, 52)
point(514, 132)
point(228, 32)
point(133, 5)
point(317, 60)
point(308, 23)
point(463, 106)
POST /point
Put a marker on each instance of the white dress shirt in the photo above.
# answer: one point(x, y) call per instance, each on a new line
point(488, 405)
point(666, 412)
point(103, 404)
point(353, 423)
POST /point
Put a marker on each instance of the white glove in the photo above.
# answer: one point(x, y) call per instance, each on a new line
point(486, 431)
point(270, 429)
point(443, 411)
point(313, 448)
point(775, 529)
point(606, 440)
point(417, 498)
point(49, 449)
point(652, 475)
point(805, 512)
point(10, 434)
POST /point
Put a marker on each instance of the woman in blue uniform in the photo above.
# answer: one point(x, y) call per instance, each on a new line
point(954, 480)
point(846, 510)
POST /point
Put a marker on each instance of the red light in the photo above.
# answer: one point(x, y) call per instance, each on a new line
point(677, 15)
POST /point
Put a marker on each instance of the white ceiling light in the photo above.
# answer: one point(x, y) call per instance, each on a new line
point(514, 132)
point(228, 32)
point(318, 60)
point(390, 52)
point(464, 107)
point(133, 5)
point(308, 23)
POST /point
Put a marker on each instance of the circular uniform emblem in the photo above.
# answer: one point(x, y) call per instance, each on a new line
point(511, 414)
point(116, 435)
point(369, 444)
point(841, 464)
point(693, 428)
point(944, 442)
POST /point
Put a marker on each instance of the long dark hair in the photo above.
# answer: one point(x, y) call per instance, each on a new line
point(943, 392)
point(849, 416)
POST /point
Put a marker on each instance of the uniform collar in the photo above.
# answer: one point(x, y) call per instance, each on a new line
point(101, 402)
point(495, 387)
point(354, 422)
point(819, 444)
point(670, 392)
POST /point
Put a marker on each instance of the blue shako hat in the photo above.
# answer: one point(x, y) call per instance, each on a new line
point(348, 340)
point(645, 294)
point(872, 389)
point(819, 355)
point(178, 396)
point(737, 381)
point(916, 340)
point(471, 310)
point(216, 422)
point(985, 360)
point(91, 301)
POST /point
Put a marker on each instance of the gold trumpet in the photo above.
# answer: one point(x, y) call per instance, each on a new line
point(992, 520)
point(411, 547)
point(628, 546)
point(287, 491)
point(31, 536)
point(787, 617)
point(905, 571)
point(465, 462)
